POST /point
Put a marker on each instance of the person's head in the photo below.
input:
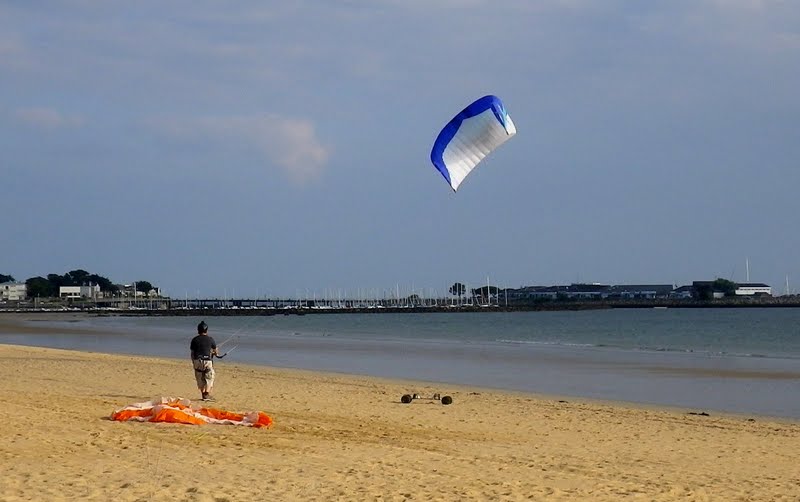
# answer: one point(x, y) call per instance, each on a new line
point(202, 328)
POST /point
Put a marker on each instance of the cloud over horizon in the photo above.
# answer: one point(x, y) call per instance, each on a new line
point(47, 118)
point(647, 129)
point(291, 144)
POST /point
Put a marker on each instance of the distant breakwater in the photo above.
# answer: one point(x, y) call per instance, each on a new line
point(531, 307)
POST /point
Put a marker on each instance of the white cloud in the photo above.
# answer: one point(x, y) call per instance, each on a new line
point(10, 45)
point(47, 118)
point(745, 4)
point(15, 55)
point(289, 143)
point(789, 40)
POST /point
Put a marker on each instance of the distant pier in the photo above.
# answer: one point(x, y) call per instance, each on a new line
point(258, 307)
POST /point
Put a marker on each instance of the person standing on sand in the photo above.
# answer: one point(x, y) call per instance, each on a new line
point(203, 348)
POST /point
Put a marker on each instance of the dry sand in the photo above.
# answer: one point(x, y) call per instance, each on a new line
point(342, 437)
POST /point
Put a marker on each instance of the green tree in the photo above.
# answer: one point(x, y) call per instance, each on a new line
point(40, 287)
point(104, 283)
point(6, 278)
point(56, 281)
point(77, 277)
point(704, 291)
point(143, 286)
point(725, 286)
point(458, 289)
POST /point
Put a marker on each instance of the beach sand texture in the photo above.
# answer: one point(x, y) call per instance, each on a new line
point(340, 437)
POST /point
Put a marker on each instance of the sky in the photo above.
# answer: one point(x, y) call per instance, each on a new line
point(252, 148)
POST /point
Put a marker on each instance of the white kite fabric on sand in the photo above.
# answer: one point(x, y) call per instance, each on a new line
point(183, 411)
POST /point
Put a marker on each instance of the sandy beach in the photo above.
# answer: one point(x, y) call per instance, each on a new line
point(339, 437)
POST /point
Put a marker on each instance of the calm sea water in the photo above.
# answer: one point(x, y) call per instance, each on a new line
point(734, 360)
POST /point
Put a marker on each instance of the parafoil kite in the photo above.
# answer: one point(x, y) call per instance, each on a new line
point(182, 411)
point(469, 137)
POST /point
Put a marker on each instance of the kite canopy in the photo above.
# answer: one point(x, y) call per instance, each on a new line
point(182, 411)
point(469, 137)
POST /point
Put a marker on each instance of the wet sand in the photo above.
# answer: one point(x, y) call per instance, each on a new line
point(339, 437)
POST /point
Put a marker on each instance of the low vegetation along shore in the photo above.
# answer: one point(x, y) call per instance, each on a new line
point(340, 437)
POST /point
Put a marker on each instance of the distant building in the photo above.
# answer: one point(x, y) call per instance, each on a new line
point(631, 291)
point(92, 292)
point(682, 292)
point(752, 289)
point(743, 289)
point(530, 293)
point(13, 291)
point(647, 291)
point(706, 290)
point(129, 290)
point(585, 291)
point(595, 291)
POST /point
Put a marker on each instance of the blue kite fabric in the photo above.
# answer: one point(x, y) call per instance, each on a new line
point(470, 136)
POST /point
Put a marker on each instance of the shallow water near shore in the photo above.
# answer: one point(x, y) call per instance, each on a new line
point(732, 360)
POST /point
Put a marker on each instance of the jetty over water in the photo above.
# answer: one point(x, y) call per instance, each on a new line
point(256, 307)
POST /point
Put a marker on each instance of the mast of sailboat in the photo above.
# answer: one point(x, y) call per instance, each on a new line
point(747, 267)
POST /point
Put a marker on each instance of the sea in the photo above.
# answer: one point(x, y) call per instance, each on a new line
point(731, 360)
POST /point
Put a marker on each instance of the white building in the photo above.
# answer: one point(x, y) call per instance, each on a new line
point(130, 290)
point(753, 288)
point(79, 291)
point(13, 291)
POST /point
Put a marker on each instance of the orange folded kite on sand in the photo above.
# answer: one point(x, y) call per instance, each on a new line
point(182, 411)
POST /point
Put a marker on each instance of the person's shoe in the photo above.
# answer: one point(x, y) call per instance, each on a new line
point(205, 396)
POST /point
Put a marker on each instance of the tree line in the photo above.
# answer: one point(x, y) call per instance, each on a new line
point(459, 289)
point(48, 287)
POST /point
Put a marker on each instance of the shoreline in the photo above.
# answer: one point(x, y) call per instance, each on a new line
point(348, 437)
point(679, 384)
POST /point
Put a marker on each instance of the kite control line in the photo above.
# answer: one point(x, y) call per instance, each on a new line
point(228, 339)
point(228, 352)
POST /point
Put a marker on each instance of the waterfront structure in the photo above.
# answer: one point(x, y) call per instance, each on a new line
point(646, 291)
point(14, 291)
point(129, 290)
point(585, 291)
point(79, 291)
point(753, 289)
point(682, 292)
point(630, 291)
point(591, 291)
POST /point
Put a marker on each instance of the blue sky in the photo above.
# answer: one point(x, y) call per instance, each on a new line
point(282, 148)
